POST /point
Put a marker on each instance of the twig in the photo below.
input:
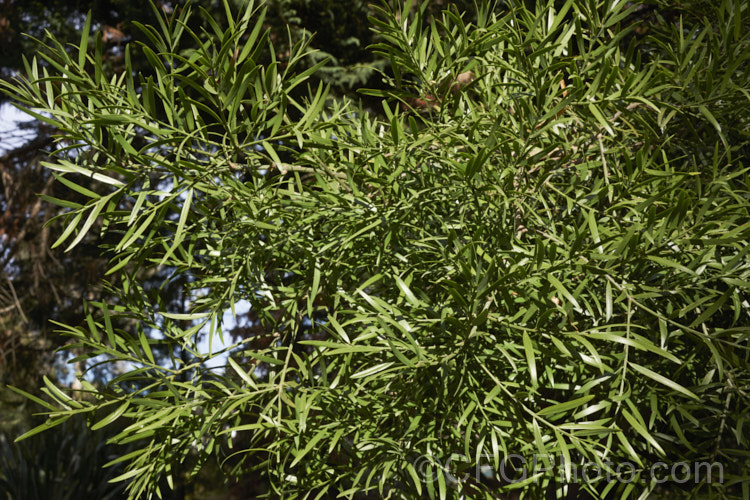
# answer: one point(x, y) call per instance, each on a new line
point(285, 168)
point(15, 299)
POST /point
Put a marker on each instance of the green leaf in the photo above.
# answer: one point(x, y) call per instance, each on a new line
point(372, 370)
point(111, 417)
point(33, 398)
point(712, 119)
point(563, 291)
point(600, 118)
point(49, 424)
point(410, 297)
point(309, 446)
point(636, 425)
point(93, 214)
point(314, 290)
point(145, 346)
point(59, 395)
point(528, 348)
point(180, 231)
point(564, 406)
point(669, 263)
point(83, 46)
point(185, 316)
point(69, 228)
point(242, 373)
point(663, 380)
point(66, 166)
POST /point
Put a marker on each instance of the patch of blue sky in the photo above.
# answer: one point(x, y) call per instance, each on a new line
point(12, 134)
point(209, 346)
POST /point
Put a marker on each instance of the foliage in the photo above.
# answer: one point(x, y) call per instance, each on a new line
point(39, 284)
point(548, 260)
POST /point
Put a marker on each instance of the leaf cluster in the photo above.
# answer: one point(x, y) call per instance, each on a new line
point(550, 262)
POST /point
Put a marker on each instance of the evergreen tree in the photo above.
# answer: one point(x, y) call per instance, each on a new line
point(532, 263)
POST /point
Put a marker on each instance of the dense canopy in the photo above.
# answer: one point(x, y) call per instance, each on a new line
point(520, 264)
